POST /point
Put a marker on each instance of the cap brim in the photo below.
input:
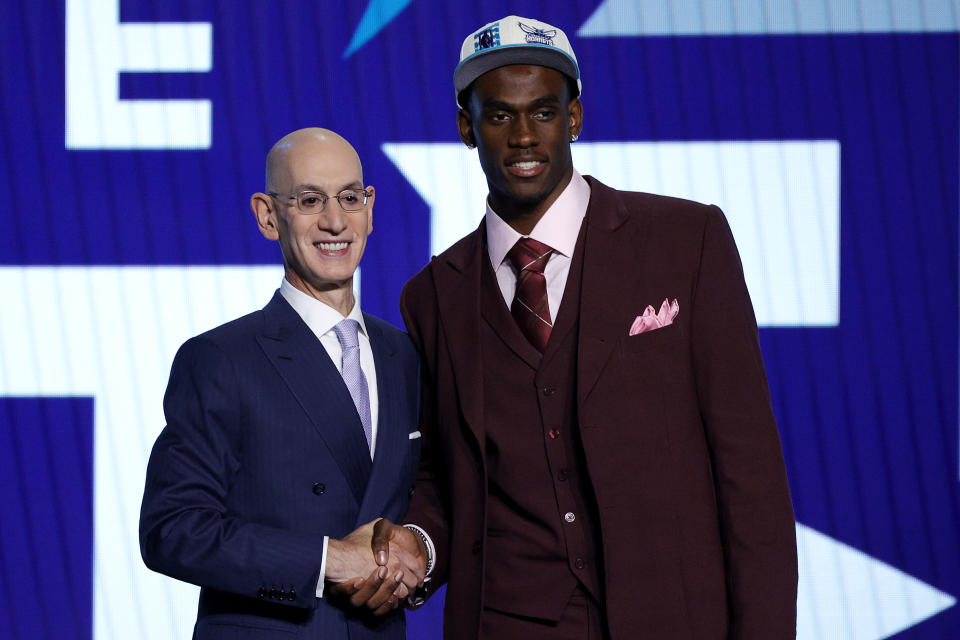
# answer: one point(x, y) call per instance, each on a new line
point(480, 63)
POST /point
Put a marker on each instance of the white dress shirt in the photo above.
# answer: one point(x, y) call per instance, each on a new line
point(321, 319)
point(558, 229)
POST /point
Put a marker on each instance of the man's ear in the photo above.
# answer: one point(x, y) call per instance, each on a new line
point(373, 196)
point(266, 214)
point(575, 116)
point(465, 127)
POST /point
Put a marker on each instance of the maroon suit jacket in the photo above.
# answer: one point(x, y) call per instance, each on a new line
point(681, 446)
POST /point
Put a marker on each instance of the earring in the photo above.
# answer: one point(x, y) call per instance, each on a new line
point(471, 146)
point(573, 137)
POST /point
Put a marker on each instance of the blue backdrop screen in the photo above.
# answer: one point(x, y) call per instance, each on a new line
point(132, 134)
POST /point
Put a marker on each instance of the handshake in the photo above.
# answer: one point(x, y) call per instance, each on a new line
point(376, 566)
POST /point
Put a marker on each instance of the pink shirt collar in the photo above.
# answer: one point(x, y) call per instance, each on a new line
point(558, 228)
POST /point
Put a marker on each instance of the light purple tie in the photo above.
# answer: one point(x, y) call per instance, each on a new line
point(356, 382)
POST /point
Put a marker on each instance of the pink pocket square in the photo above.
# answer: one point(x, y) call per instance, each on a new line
point(651, 320)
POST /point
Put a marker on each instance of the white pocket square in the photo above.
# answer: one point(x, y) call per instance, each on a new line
point(414, 435)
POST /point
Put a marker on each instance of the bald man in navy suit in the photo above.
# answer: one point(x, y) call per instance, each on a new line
point(291, 430)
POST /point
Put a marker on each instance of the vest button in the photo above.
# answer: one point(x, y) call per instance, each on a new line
point(319, 488)
point(579, 563)
point(549, 391)
point(476, 548)
point(569, 517)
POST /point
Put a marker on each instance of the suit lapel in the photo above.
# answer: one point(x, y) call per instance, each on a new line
point(316, 384)
point(457, 279)
point(568, 317)
point(392, 434)
point(612, 245)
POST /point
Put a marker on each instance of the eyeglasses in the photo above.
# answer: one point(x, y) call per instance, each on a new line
point(312, 202)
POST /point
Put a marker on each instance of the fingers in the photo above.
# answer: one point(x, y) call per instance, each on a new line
point(393, 601)
point(380, 592)
point(345, 589)
point(350, 557)
point(414, 564)
point(380, 542)
point(387, 606)
point(412, 568)
point(385, 600)
point(361, 591)
point(390, 540)
point(400, 571)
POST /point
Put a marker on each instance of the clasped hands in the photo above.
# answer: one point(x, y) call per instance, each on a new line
point(376, 566)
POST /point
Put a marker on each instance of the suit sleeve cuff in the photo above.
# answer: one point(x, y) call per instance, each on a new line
point(323, 567)
point(431, 550)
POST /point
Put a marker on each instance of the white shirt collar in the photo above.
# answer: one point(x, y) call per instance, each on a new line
point(558, 228)
point(319, 316)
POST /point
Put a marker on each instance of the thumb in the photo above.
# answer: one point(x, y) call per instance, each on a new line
point(380, 542)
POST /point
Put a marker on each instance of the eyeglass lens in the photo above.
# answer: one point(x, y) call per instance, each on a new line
point(313, 202)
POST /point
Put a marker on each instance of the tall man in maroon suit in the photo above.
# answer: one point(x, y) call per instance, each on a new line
point(600, 456)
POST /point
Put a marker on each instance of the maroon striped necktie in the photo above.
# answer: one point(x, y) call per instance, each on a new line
point(530, 308)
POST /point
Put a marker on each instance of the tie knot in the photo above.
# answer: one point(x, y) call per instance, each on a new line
point(529, 255)
point(346, 331)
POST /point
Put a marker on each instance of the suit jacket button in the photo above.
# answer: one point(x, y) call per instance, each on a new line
point(579, 564)
point(319, 488)
point(261, 593)
point(476, 548)
point(273, 594)
point(410, 492)
point(549, 391)
point(292, 595)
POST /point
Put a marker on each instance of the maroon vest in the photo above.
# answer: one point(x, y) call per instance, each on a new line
point(541, 514)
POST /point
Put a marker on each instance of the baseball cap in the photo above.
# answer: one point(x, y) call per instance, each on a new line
point(514, 40)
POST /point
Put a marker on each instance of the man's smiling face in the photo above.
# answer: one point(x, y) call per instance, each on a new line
point(521, 117)
point(321, 251)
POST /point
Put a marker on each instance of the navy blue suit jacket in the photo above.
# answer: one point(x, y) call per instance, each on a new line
point(262, 455)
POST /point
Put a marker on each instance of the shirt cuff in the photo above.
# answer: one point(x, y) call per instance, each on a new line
point(431, 550)
point(323, 567)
